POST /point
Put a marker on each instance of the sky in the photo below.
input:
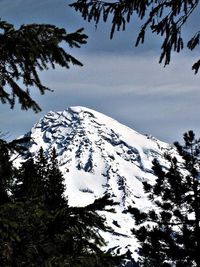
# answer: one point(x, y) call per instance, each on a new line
point(117, 79)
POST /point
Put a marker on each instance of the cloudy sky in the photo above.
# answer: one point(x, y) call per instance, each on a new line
point(117, 79)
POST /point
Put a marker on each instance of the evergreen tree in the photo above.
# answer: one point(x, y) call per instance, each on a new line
point(26, 184)
point(83, 240)
point(169, 234)
point(6, 172)
point(31, 178)
point(41, 164)
point(8, 225)
point(43, 229)
point(166, 18)
point(55, 187)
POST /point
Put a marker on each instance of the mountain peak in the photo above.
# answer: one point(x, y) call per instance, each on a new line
point(99, 155)
point(100, 149)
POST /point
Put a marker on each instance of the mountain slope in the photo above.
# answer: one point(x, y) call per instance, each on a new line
point(98, 155)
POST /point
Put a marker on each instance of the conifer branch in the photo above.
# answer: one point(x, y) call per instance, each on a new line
point(165, 18)
point(30, 49)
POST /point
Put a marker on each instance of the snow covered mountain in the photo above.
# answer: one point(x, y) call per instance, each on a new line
point(98, 155)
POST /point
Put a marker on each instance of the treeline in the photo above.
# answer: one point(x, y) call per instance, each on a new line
point(169, 233)
point(37, 227)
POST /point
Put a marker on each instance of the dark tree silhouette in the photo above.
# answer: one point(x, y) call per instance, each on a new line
point(37, 227)
point(55, 187)
point(6, 172)
point(165, 18)
point(26, 51)
point(169, 234)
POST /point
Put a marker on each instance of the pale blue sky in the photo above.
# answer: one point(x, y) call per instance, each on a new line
point(117, 79)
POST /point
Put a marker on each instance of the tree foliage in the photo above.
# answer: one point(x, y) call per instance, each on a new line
point(55, 186)
point(165, 18)
point(6, 172)
point(26, 51)
point(169, 234)
point(38, 228)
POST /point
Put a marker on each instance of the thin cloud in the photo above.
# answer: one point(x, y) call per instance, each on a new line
point(134, 90)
